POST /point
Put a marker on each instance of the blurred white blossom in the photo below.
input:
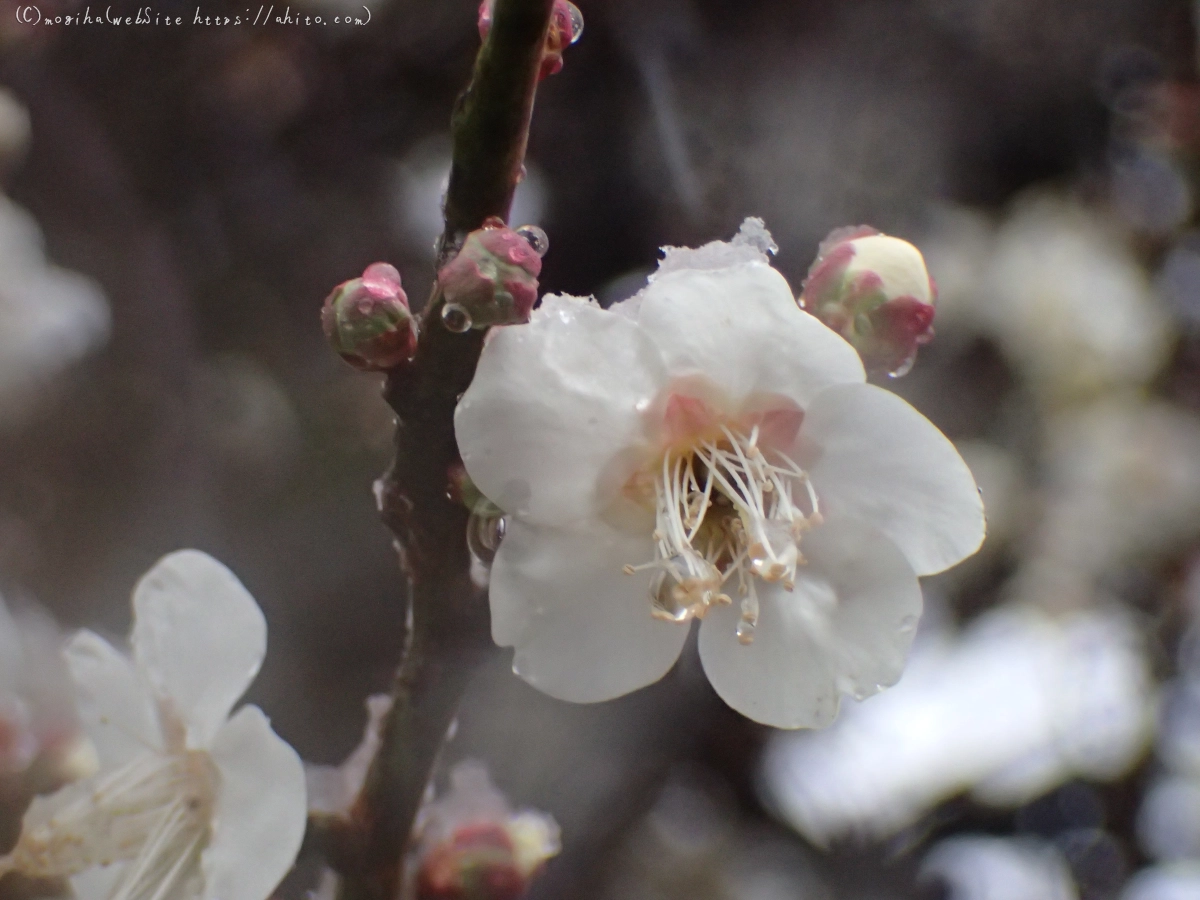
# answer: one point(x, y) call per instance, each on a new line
point(708, 450)
point(49, 317)
point(189, 802)
point(37, 710)
point(1069, 303)
point(1121, 485)
point(1020, 703)
point(14, 127)
point(1179, 881)
point(974, 867)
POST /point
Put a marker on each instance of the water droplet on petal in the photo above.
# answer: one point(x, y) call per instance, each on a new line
point(576, 22)
point(537, 238)
point(908, 624)
point(456, 318)
point(745, 630)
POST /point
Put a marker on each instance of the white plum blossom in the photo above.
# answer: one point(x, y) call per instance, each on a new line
point(1021, 702)
point(189, 803)
point(707, 450)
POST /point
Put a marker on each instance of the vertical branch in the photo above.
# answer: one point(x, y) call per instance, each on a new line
point(451, 634)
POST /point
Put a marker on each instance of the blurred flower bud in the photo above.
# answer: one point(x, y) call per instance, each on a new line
point(473, 847)
point(368, 322)
point(566, 27)
point(874, 291)
point(493, 280)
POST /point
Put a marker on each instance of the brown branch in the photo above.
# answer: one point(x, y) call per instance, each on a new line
point(451, 634)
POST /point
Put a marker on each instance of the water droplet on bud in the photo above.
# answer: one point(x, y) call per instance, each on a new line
point(456, 318)
point(576, 22)
point(904, 368)
point(484, 534)
point(536, 238)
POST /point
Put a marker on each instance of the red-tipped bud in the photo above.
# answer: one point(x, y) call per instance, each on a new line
point(874, 291)
point(492, 281)
point(566, 27)
point(368, 322)
point(473, 847)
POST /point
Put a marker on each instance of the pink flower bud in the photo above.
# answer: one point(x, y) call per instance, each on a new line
point(473, 847)
point(493, 280)
point(368, 322)
point(874, 291)
point(566, 27)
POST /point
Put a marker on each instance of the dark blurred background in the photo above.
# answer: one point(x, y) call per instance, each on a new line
point(211, 184)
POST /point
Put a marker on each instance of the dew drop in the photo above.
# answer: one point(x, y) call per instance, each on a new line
point(745, 630)
point(904, 368)
point(908, 624)
point(537, 238)
point(484, 534)
point(456, 318)
point(668, 605)
point(576, 22)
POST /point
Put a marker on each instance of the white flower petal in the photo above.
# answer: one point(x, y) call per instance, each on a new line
point(97, 882)
point(198, 638)
point(581, 627)
point(846, 628)
point(741, 328)
point(874, 457)
point(551, 404)
point(261, 810)
point(114, 703)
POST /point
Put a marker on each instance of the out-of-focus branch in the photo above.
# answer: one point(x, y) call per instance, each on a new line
point(450, 634)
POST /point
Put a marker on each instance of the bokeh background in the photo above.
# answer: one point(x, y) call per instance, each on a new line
point(178, 201)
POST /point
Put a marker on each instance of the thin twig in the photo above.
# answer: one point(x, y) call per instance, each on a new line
point(451, 633)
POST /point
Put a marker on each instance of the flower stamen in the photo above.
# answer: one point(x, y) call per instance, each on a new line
point(724, 511)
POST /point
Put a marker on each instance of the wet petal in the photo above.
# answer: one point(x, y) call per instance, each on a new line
point(846, 628)
point(114, 703)
point(198, 638)
point(552, 403)
point(581, 627)
point(741, 327)
point(874, 457)
point(261, 810)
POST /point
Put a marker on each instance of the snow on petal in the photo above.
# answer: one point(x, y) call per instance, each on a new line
point(551, 405)
point(260, 812)
point(844, 629)
point(113, 701)
point(582, 628)
point(741, 327)
point(198, 638)
point(873, 456)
